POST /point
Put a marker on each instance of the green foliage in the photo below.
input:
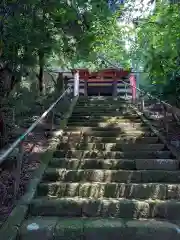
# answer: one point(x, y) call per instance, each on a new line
point(155, 46)
point(158, 43)
point(69, 31)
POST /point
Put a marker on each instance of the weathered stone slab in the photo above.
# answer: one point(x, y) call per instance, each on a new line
point(92, 175)
point(160, 176)
point(103, 229)
point(157, 164)
point(150, 229)
point(69, 229)
point(38, 228)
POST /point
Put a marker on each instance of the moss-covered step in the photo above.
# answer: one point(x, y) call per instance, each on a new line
point(110, 207)
point(105, 119)
point(53, 228)
point(105, 175)
point(110, 146)
point(111, 113)
point(96, 117)
point(100, 108)
point(115, 164)
point(99, 103)
point(124, 107)
point(119, 140)
point(159, 191)
point(146, 154)
point(116, 133)
point(108, 100)
point(105, 124)
point(107, 113)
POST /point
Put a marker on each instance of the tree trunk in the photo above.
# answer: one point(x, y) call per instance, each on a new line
point(41, 71)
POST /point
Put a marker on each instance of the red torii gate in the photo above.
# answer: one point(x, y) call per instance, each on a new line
point(112, 73)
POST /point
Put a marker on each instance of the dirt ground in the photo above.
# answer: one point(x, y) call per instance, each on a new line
point(27, 108)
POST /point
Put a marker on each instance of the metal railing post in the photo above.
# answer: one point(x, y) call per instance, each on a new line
point(125, 91)
point(165, 119)
point(52, 119)
point(142, 103)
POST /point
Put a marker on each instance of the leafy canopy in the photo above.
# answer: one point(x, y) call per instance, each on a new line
point(64, 32)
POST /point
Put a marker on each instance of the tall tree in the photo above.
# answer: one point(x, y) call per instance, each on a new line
point(33, 31)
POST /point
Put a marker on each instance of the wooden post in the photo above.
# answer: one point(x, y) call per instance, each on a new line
point(132, 80)
point(76, 83)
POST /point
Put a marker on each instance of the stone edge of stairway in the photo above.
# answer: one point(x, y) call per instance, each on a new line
point(144, 119)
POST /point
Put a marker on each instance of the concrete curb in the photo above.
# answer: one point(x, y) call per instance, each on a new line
point(10, 228)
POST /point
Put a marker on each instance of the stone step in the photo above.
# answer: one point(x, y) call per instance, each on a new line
point(110, 127)
point(99, 108)
point(108, 100)
point(105, 110)
point(108, 113)
point(102, 113)
point(80, 154)
point(122, 102)
point(105, 119)
point(119, 140)
point(102, 105)
point(85, 117)
point(110, 146)
point(96, 117)
point(115, 164)
point(75, 132)
point(110, 130)
point(108, 124)
point(97, 228)
point(123, 208)
point(103, 102)
point(110, 190)
point(104, 175)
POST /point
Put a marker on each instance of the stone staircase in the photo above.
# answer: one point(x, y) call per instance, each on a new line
point(110, 177)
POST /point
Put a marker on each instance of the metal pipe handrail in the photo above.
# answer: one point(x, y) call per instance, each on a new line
point(7, 152)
